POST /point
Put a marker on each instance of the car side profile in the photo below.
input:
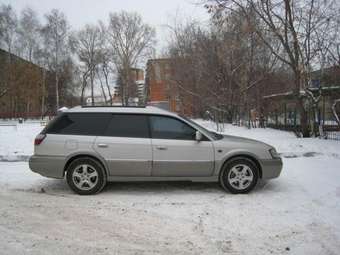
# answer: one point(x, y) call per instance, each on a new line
point(91, 146)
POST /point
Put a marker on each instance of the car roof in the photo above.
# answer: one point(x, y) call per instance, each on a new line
point(115, 109)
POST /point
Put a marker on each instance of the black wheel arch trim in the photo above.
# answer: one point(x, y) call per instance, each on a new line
point(242, 155)
point(94, 156)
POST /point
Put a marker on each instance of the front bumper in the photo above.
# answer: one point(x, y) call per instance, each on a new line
point(271, 168)
point(48, 166)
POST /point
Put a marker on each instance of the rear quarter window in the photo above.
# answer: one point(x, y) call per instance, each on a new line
point(79, 124)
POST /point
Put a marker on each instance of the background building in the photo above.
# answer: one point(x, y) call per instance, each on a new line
point(162, 91)
point(28, 90)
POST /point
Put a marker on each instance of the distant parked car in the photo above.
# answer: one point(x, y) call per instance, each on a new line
point(93, 145)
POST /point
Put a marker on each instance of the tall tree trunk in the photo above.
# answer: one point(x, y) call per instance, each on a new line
point(83, 90)
point(9, 79)
point(43, 93)
point(102, 87)
point(126, 84)
point(300, 106)
point(57, 90)
point(27, 108)
point(124, 88)
point(84, 84)
point(303, 117)
point(82, 95)
point(107, 85)
point(92, 90)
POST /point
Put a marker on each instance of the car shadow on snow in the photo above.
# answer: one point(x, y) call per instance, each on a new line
point(60, 187)
point(162, 187)
point(184, 187)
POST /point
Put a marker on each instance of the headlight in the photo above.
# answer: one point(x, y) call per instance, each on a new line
point(274, 153)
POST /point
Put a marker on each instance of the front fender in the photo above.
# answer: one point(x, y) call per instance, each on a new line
point(233, 153)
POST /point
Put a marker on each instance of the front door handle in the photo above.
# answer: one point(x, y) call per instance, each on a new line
point(102, 145)
point(161, 148)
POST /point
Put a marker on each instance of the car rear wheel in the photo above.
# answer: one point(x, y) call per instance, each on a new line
point(239, 175)
point(86, 176)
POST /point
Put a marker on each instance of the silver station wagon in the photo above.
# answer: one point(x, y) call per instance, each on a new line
point(93, 145)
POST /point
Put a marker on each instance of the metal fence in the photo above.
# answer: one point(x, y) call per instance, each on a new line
point(332, 135)
point(25, 115)
point(331, 132)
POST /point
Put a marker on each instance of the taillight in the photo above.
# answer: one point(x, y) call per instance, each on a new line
point(38, 140)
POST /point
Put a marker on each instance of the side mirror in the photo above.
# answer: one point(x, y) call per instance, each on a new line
point(198, 136)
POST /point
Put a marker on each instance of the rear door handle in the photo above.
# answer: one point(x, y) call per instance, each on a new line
point(161, 148)
point(102, 145)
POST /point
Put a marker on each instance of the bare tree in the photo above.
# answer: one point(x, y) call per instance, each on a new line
point(8, 26)
point(107, 71)
point(89, 41)
point(106, 66)
point(28, 33)
point(295, 25)
point(56, 38)
point(218, 69)
point(131, 41)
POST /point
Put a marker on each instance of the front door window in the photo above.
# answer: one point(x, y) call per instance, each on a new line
point(170, 128)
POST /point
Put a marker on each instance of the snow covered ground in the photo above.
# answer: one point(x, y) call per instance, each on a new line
point(16, 140)
point(298, 213)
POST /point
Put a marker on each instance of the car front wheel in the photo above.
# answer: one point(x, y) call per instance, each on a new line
point(86, 176)
point(239, 175)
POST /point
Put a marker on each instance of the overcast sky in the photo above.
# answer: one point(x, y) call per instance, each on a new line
point(155, 12)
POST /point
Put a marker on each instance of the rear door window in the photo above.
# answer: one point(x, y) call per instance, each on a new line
point(93, 124)
point(128, 125)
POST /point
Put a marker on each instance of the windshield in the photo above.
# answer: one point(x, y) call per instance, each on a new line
point(214, 135)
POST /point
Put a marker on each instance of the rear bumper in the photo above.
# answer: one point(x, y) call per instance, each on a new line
point(48, 166)
point(271, 168)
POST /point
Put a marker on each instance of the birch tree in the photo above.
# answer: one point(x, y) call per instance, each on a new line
point(131, 41)
point(56, 38)
point(106, 68)
point(29, 33)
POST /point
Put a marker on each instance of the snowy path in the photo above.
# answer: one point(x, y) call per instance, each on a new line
point(298, 213)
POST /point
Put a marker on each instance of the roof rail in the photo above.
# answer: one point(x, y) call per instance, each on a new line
point(113, 106)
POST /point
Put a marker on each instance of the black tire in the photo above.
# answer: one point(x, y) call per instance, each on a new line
point(93, 184)
point(237, 164)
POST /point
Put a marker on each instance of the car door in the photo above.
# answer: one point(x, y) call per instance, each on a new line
point(126, 145)
point(176, 153)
